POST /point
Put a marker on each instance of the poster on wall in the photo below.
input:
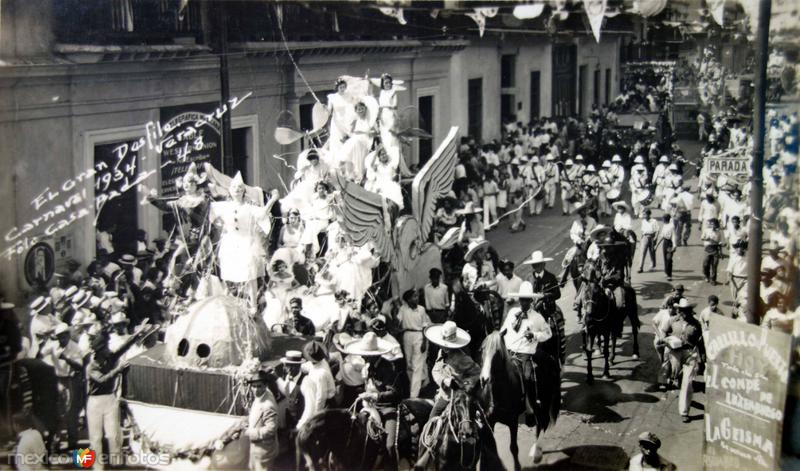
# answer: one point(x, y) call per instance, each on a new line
point(188, 133)
point(746, 384)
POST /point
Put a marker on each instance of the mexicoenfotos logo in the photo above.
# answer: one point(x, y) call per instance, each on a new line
point(83, 458)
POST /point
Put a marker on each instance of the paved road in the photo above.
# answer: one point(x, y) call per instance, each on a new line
point(599, 424)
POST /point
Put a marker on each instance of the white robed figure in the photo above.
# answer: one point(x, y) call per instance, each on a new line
point(339, 105)
point(241, 253)
point(352, 155)
point(387, 100)
point(352, 268)
point(382, 177)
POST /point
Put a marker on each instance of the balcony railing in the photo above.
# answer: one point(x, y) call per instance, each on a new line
point(121, 22)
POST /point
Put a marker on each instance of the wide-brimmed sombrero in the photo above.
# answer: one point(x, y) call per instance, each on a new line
point(448, 335)
point(469, 208)
point(600, 233)
point(536, 258)
point(368, 345)
point(474, 246)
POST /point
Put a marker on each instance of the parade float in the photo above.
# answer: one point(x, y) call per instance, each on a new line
point(186, 399)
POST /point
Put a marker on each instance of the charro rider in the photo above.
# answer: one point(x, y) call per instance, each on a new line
point(523, 330)
point(453, 369)
point(609, 268)
point(382, 386)
point(545, 284)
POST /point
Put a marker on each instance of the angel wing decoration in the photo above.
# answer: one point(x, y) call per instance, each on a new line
point(364, 215)
point(434, 181)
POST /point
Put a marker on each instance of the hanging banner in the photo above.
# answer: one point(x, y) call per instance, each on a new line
point(717, 10)
point(187, 133)
point(746, 384)
point(596, 11)
point(480, 15)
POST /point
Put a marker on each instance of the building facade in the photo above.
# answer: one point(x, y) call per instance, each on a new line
point(83, 126)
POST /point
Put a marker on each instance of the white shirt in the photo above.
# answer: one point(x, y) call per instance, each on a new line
point(578, 233)
point(506, 285)
point(649, 227)
point(31, 452)
point(668, 232)
point(317, 387)
point(708, 210)
point(623, 221)
point(436, 298)
point(533, 323)
point(413, 319)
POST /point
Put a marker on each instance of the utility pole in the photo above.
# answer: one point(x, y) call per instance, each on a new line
point(757, 183)
point(225, 90)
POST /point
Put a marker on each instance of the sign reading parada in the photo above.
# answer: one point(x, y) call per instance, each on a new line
point(728, 165)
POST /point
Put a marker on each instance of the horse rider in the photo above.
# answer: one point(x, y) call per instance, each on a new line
point(382, 386)
point(582, 227)
point(453, 369)
point(623, 224)
point(609, 269)
point(551, 180)
point(524, 331)
point(545, 284)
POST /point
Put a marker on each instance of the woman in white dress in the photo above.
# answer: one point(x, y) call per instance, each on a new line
point(339, 107)
point(280, 290)
point(290, 238)
point(387, 101)
point(319, 217)
point(382, 177)
point(352, 268)
point(240, 223)
point(354, 152)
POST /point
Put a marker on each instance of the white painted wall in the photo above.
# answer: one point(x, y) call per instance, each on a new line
point(476, 61)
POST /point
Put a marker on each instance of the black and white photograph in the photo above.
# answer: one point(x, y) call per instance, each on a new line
point(363, 235)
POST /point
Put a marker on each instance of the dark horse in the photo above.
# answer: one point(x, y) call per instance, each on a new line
point(505, 391)
point(29, 385)
point(471, 314)
point(603, 321)
point(340, 439)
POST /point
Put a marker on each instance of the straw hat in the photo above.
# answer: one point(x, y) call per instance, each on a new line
point(621, 204)
point(368, 345)
point(60, 328)
point(80, 299)
point(525, 291)
point(292, 357)
point(118, 318)
point(39, 304)
point(127, 259)
point(447, 335)
point(650, 438)
point(684, 304)
point(474, 246)
point(469, 208)
point(536, 258)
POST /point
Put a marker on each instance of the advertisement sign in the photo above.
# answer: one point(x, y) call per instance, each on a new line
point(187, 134)
point(727, 165)
point(746, 382)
